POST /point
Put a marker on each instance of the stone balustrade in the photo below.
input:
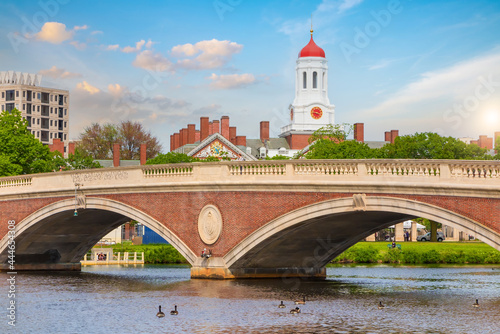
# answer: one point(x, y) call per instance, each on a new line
point(362, 171)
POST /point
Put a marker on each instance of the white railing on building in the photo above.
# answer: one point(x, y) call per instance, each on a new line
point(118, 258)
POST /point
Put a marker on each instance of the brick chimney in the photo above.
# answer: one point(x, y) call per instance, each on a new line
point(215, 126)
point(241, 141)
point(197, 136)
point(184, 136)
point(172, 143)
point(177, 140)
point(71, 148)
point(210, 128)
point(232, 134)
point(264, 131)
point(387, 136)
point(181, 138)
point(394, 135)
point(359, 132)
point(143, 154)
point(224, 127)
point(204, 131)
point(191, 132)
point(116, 155)
point(57, 145)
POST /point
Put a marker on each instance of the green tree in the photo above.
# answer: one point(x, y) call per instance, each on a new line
point(332, 132)
point(497, 149)
point(349, 149)
point(278, 157)
point(77, 160)
point(170, 158)
point(430, 145)
point(20, 151)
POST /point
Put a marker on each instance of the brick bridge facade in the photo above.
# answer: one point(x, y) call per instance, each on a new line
point(258, 219)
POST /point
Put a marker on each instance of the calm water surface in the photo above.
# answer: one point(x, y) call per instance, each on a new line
point(116, 299)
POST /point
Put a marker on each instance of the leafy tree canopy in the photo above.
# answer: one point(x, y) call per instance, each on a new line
point(77, 160)
point(430, 145)
point(97, 140)
point(20, 151)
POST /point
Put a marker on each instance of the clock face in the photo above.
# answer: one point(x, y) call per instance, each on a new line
point(291, 114)
point(316, 112)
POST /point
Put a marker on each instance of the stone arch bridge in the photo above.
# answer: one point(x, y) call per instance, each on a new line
point(258, 219)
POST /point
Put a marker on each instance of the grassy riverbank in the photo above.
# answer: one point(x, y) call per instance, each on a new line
point(153, 253)
point(421, 253)
point(362, 252)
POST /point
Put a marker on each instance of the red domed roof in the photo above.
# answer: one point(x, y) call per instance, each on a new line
point(312, 50)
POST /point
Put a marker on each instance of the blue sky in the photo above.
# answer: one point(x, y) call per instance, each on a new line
point(415, 66)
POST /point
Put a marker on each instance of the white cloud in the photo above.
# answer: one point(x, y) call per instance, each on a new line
point(452, 97)
point(84, 27)
point(59, 73)
point(84, 86)
point(207, 54)
point(113, 47)
point(138, 46)
point(54, 32)
point(347, 4)
point(149, 60)
point(96, 32)
point(231, 81)
point(78, 45)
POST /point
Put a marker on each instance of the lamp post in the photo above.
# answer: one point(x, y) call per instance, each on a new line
point(77, 186)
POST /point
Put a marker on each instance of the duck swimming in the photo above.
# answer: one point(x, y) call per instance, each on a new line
point(295, 310)
point(301, 302)
point(380, 305)
point(174, 311)
point(281, 305)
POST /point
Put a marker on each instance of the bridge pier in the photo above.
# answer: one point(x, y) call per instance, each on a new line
point(215, 268)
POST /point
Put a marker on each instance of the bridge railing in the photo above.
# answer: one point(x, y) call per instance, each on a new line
point(66, 183)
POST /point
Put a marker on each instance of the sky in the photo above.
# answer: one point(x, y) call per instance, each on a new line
point(414, 66)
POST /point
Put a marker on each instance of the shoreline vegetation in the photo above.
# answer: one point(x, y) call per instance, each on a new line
point(411, 253)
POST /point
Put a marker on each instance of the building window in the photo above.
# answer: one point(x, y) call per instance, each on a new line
point(51, 135)
point(34, 95)
point(39, 96)
point(65, 124)
point(38, 108)
point(3, 95)
point(64, 112)
point(50, 122)
point(65, 99)
point(17, 93)
point(9, 106)
point(34, 108)
point(10, 95)
point(24, 107)
point(64, 137)
point(315, 80)
point(38, 121)
point(304, 80)
point(38, 134)
point(3, 107)
point(24, 93)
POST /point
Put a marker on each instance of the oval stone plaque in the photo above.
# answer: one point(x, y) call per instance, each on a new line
point(209, 224)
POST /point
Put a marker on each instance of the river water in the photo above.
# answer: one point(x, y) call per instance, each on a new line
point(119, 299)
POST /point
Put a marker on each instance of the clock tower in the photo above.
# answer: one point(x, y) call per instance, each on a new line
point(311, 108)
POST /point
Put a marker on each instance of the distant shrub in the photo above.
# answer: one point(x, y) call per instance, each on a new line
point(431, 256)
point(412, 256)
point(392, 256)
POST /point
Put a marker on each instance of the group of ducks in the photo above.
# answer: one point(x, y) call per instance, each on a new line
point(297, 302)
point(160, 314)
point(295, 310)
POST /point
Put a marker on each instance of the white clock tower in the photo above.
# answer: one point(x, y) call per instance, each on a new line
point(311, 108)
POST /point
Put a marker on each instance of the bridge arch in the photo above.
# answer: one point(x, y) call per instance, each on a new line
point(95, 208)
point(269, 242)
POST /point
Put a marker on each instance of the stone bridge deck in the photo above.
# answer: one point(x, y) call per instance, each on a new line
point(251, 215)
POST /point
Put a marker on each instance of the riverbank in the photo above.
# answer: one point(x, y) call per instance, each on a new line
point(153, 253)
point(421, 253)
point(362, 252)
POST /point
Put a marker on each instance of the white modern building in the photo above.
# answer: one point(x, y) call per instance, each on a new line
point(45, 109)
